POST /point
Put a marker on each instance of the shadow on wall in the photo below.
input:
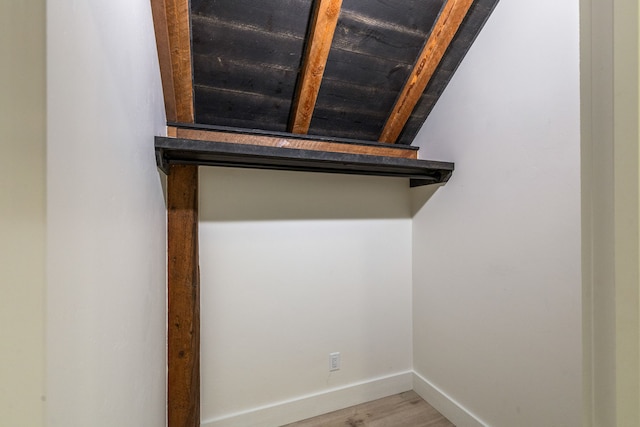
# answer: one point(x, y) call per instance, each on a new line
point(421, 195)
point(229, 194)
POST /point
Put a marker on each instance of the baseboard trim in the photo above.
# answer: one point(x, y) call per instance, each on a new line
point(447, 406)
point(308, 406)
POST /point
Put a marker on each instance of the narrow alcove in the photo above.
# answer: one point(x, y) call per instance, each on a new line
point(326, 86)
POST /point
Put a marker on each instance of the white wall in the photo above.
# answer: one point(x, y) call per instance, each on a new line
point(295, 266)
point(106, 217)
point(496, 252)
point(22, 212)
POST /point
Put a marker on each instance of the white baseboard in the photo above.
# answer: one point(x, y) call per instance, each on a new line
point(447, 406)
point(301, 408)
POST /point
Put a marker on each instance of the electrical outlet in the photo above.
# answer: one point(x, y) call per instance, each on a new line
point(334, 361)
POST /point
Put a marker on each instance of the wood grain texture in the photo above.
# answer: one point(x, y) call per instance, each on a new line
point(163, 45)
point(471, 26)
point(281, 16)
point(246, 60)
point(441, 36)
point(375, 46)
point(173, 39)
point(303, 144)
point(242, 108)
point(323, 26)
point(401, 410)
point(183, 352)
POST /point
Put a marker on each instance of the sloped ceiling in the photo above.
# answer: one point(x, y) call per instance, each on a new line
point(367, 70)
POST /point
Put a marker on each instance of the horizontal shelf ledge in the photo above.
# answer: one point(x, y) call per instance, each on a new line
point(212, 153)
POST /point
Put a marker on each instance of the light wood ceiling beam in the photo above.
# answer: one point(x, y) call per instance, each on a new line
point(173, 39)
point(323, 26)
point(444, 30)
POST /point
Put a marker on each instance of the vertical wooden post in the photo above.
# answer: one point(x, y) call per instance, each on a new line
point(183, 330)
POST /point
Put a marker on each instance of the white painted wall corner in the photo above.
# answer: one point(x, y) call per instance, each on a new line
point(445, 404)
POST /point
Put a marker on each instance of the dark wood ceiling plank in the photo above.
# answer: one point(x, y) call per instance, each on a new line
point(228, 107)
point(323, 26)
point(411, 14)
point(294, 143)
point(441, 36)
point(246, 58)
point(373, 47)
point(173, 38)
point(327, 124)
point(279, 16)
point(241, 76)
point(358, 33)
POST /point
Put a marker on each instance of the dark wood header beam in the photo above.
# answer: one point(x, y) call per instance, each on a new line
point(173, 39)
point(323, 26)
point(443, 32)
point(172, 151)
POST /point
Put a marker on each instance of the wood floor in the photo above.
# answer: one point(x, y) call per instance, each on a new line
point(401, 410)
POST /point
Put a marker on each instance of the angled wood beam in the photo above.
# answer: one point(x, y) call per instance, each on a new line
point(444, 30)
point(373, 149)
point(323, 26)
point(164, 57)
point(173, 40)
point(183, 346)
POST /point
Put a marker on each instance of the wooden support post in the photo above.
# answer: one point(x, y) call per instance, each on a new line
point(183, 319)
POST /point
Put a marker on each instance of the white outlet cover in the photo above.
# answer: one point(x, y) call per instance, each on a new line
point(334, 361)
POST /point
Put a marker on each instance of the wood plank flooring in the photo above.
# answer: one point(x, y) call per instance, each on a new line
point(401, 410)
